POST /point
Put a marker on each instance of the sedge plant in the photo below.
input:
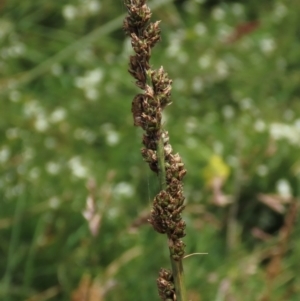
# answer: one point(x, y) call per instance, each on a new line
point(147, 107)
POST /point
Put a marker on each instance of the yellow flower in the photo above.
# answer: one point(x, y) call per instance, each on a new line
point(216, 168)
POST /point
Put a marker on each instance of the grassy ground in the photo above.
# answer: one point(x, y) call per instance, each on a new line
point(67, 135)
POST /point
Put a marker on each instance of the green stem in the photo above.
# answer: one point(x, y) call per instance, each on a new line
point(177, 267)
point(177, 270)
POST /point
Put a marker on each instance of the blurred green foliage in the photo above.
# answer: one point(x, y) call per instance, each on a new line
point(66, 119)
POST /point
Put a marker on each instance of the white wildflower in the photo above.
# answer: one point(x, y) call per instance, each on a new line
point(54, 202)
point(197, 84)
point(200, 29)
point(280, 12)
point(4, 154)
point(191, 125)
point(218, 13)
point(34, 173)
point(52, 168)
point(221, 69)
point(237, 9)
point(84, 134)
point(267, 45)
point(205, 61)
point(91, 93)
point(77, 167)
point(218, 147)
point(259, 125)
point(174, 48)
point(41, 123)
point(297, 124)
point(112, 138)
point(70, 12)
point(15, 96)
point(228, 112)
point(283, 188)
point(58, 115)
point(93, 6)
point(56, 69)
point(280, 131)
point(246, 103)
point(262, 170)
point(123, 190)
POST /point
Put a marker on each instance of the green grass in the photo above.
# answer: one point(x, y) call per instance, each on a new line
point(66, 117)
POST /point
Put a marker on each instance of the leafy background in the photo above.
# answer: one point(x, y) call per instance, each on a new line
point(74, 190)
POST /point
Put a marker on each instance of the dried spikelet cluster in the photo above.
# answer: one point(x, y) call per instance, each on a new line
point(147, 113)
point(165, 285)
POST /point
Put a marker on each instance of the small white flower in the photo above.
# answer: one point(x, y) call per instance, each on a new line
point(283, 188)
point(89, 82)
point(58, 115)
point(32, 108)
point(34, 173)
point(17, 50)
point(205, 61)
point(267, 45)
point(218, 13)
point(70, 12)
point(197, 84)
point(246, 103)
point(174, 48)
point(284, 131)
point(77, 168)
point(190, 7)
point(262, 170)
point(297, 124)
point(84, 134)
point(237, 9)
point(4, 154)
point(200, 29)
point(91, 93)
point(54, 202)
point(191, 125)
point(28, 153)
point(15, 96)
point(259, 125)
point(279, 12)
point(123, 190)
point(56, 69)
point(53, 168)
point(93, 77)
point(221, 69)
point(228, 112)
point(224, 31)
point(112, 138)
point(93, 6)
point(41, 123)
point(218, 147)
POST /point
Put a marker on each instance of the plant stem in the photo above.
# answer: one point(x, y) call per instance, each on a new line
point(177, 267)
point(177, 270)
